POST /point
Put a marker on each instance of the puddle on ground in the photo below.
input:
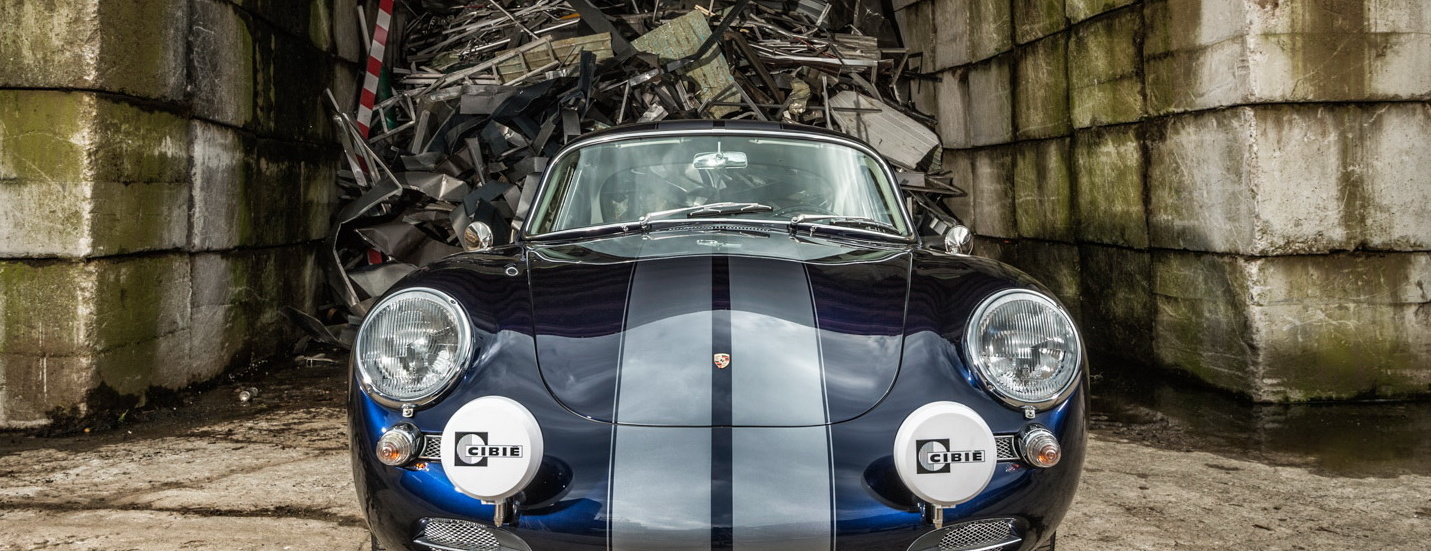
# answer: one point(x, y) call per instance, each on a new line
point(1382, 439)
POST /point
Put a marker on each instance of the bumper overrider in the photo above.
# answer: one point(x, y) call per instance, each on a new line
point(502, 465)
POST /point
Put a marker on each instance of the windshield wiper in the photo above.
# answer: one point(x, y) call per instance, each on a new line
point(858, 222)
point(705, 211)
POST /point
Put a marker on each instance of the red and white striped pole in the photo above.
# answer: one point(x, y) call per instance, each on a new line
point(375, 66)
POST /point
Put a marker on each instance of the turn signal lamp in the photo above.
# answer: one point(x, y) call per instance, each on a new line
point(1040, 448)
point(397, 446)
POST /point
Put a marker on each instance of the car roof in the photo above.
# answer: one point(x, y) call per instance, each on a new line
point(695, 125)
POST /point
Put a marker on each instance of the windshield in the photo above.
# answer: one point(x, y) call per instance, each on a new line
point(749, 177)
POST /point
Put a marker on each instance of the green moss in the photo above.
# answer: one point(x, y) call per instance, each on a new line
point(1202, 324)
point(1108, 167)
point(320, 24)
point(141, 46)
point(39, 307)
point(1034, 19)
point(1041, 93)
point(1043, 200)
point(42, 46)
point(139, 145)
point(1106, 85)
point(1079, 10)
point(44, 135)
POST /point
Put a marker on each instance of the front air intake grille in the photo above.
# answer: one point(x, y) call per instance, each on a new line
point(441, 533)
point(432, 447)
point(1006, 447)
point(980, 535)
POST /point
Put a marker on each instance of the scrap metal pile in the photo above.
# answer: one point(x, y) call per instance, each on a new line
point(477, 96)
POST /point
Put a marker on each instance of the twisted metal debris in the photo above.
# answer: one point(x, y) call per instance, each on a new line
point(477, 96)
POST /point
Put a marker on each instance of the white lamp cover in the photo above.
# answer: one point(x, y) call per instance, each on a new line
point(945, 453)
point(491, 448)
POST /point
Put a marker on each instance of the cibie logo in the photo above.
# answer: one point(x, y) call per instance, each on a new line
point(936, 457)
point(473, 450)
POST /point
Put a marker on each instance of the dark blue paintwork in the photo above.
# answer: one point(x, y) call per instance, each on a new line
point(891, 322)
point(564, 509)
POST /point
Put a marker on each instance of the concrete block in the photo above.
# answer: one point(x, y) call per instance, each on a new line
point(290, 78)
point(1297, 328)
point(952, 25)
point(41, 306)
point(1108, 169)
point(1035, 19)
point(138, 299)
point(1343, 326)
point(1201, 321)
point(960, 166)
point(1396, 177)
point(1078, 10)
point(1105, 81)
point(952, 106)
point(46, 137)
point(1198, 79)
point(1041, 89)
point(1181, 25)
point(990, 111)
point(1118, 307)
point(221, 159)
point(33, 387)
point(139, 169)
point(967, 31)
point(221, 61)
point(992, 192)
point(347, 34)
point(237, 302)
point(1056, 265)
point(134, 47)
point(1198, 199)
point(990, 28)
point(1339, 66)
point(83, 174)
point(1043, 196)
point(916, 28)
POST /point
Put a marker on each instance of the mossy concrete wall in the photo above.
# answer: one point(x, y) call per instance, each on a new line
point(1238, 189)
point(166, 173)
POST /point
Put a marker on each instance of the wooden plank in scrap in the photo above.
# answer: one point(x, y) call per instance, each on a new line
point(683, 36)
point(901, 139)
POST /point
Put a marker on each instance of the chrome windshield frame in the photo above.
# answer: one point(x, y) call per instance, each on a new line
point(910, 234)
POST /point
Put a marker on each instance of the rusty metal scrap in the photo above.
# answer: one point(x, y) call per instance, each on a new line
point(478, 95)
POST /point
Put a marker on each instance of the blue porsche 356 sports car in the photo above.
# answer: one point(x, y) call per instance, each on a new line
point(717, 335)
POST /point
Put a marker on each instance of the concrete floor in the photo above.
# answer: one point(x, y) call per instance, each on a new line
point(274, 474)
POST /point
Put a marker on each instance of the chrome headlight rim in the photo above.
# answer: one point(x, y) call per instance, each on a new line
point(461, 358)
point(981, 370)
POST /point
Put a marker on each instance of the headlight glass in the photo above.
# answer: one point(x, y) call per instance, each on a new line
point(412, 346)
point(1024, 348)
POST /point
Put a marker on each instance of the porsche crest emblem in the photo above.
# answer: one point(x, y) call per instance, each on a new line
point(722, 361)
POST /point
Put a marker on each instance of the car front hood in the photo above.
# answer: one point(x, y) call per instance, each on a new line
point(718, 328)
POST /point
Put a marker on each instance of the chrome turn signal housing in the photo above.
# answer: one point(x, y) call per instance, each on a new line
point(398, 445)
point(1040, 447)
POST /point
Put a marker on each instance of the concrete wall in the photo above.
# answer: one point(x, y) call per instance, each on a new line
point(1239, 189)
point(166, 172)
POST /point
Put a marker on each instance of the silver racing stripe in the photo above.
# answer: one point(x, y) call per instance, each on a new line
point(665, 371)
point(776, 377)
point(782, 489)
point(781, 473)
point(661, 489)
point(661, 476)
point(779, 486)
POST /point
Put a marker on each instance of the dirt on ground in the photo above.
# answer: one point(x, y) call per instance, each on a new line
point(211, 471)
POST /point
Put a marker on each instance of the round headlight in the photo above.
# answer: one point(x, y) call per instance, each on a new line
point(412, 347)
point(1024, 348)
